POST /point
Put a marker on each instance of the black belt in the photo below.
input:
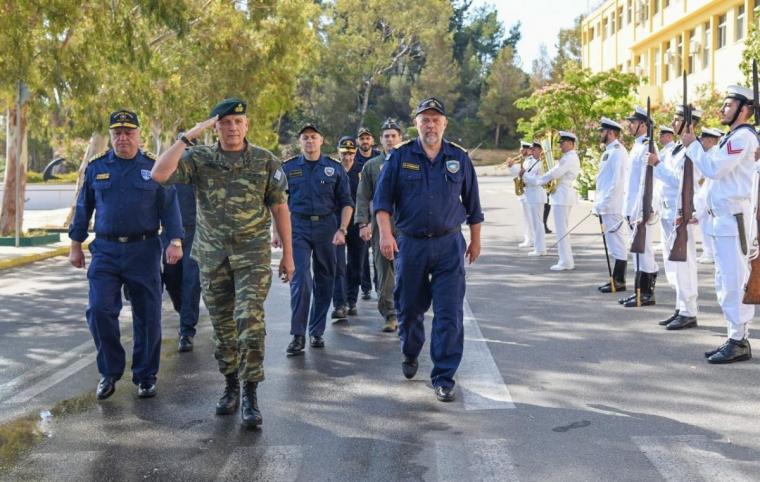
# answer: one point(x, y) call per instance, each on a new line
point(431, 235)
point(313, 217)
point(127, 239)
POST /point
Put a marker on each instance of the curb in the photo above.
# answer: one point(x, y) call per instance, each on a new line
point(31, 258)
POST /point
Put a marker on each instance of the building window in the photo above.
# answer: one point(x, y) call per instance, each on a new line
point(629, 11)
point(679, 56)
point(656, 6)
point(612, 23)
point(667, 3)
point(692, 51)
point(722, 31)
point(706, 45)
point(740, 22)
point(756, 10)
point(657, 66)
point(620, 17)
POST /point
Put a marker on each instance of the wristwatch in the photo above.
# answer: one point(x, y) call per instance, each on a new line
point(343, 230)
point(187, 141)
point(176, 242)
point(362, 226)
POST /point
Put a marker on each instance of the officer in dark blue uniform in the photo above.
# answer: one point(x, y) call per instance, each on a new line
point(317, 189)
point(429, 185)
point(358, 249)
point(182, 280)
point(129, 209)
point(347, 152)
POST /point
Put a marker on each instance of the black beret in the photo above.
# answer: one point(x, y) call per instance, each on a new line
point(124, 118)
point(347, 144)
point(390, 124)
point(431, 103)
point(308, 126)
point(231, 106)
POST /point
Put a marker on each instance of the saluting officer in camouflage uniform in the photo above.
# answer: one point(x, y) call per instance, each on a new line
point(236, 185)
point(364, 218)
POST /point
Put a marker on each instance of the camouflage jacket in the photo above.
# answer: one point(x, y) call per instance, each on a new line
point(233, 198)
point(366, 191)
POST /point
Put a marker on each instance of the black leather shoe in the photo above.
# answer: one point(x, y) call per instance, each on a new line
point(366, 295)
point(185, 344)
point(646, 300)
point(733, 351)
point(444, 394)
point(409, 367)
point(667, 321)
point(547, 230)
point(106, 387)
point(230, 399)
point(712, 352)
point(682, 322)
point(607, 288)
point(146, 390)
point(627, 299)
point(297, 345)
point(352, 311)
point(316, 341)
point(249, 409)
point(339, 313)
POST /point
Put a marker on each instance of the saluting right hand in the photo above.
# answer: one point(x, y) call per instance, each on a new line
point(198, 129)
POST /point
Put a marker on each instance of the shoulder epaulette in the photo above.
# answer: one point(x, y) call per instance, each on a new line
point(404, 143)
point(458, 146)
point(98, 156)
point(289, 159)
point(333, 160)
point(645, 140)
point(150, 155)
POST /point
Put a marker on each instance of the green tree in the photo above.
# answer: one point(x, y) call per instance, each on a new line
point(505, 84)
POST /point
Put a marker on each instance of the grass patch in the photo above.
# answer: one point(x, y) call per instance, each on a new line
point(75, 405)
point(16, 437)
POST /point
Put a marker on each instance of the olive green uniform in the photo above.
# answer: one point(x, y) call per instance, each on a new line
point(386, 270)
point(234, 192)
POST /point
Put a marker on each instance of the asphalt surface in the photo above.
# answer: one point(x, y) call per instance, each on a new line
point(558, 383)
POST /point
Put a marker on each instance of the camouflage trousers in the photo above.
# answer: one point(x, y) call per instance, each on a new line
point(386, 281)
point(235, 301)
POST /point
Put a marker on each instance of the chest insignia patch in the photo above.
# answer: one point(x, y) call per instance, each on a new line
point(103, 176)
point(295, 173)
point(411, 166)
point(605, 156)
point(277, 175)
point(452, 166)
point(145, 173)
point(329, 171)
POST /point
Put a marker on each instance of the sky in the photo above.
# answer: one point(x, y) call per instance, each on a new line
point(541, 21)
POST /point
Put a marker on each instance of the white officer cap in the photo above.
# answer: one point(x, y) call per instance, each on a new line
point(739, 93)
point(567, 135)
point(639, 113)
point(666, 130)
point(695, 113)
point(525, 145)
point(606, 123)
point(710, 132)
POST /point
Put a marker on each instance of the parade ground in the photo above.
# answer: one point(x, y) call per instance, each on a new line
point(558, 383)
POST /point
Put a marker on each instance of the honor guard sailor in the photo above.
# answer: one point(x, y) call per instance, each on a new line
point(709, 137)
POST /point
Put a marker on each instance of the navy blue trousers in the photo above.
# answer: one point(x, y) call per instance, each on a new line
point(312, 242)
point(357, 263)
point(340, 285)
point(183, 283)
point(432, 270)
point(138, 266)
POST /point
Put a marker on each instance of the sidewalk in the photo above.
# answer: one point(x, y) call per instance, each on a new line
point(11, 257)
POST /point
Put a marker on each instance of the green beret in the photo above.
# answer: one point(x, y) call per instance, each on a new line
point(231, 106)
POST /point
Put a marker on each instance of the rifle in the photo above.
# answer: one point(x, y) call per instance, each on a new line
point(752, 288)
point(679, 249)
point(639, 238)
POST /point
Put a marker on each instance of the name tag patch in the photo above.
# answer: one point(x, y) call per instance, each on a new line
point(295, 173)
point(410, 166)
point(452, 166)
point(145, 173)
point(103, 176)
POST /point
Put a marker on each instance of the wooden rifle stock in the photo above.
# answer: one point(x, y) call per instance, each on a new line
point(679, 249)
point(752, 290)
point(639, 238)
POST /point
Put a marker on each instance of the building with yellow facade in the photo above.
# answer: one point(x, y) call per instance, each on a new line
point(660, 39)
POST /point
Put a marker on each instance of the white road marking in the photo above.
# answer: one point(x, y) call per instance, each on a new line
point(484, 460)
point(76, 465)
point(278, 463)
point(481, 383)
point(691, 458)
point(52, 380)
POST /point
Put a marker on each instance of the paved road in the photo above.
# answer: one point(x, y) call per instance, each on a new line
point(558, 383)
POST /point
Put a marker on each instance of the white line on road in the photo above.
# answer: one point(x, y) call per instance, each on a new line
point(52, 380)
point(277, 463)
point(482, 385)
point(691, 458)
point(484, 460)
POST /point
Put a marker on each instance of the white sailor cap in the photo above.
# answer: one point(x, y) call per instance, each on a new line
point(525, 145)
point(537, 144)
point(563, 135)
point(639, 114)
point(606, 123)
point(739, 93)
point(695, 113)
point(666, 130)
point(710, 132)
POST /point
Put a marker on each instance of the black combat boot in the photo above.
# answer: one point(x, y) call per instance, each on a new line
point(231, 396)
point(632, 298)
point(249, 410)
point(618, 277)
point(646, 284)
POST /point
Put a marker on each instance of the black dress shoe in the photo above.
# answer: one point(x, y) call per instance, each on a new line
point(712, 352)
point(338, 313)
point(409, 367)
point(682, 322)
point(185, 344)
point(146, 390)
point(547, 230)
point(366, 295)
point(733, 351)
point(249, 409)
point(297, 345)
point(607, 288)
point(444, 394)
point(646, 300)
point(230, 398)
point(106, 387)
point(627, 299)
point(352, 311)
point(667, 321)
point(316, 341)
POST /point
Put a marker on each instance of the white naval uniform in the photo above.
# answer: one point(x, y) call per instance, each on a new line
point(535, 198)
point(700, 205)
point(731, 170)
point(681, 275)
point(632, 207)
point(610, 191)
point(562, 201)
point(528, 234)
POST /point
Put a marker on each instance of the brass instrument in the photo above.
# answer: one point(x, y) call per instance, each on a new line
point(518, 180)
point(549, 163)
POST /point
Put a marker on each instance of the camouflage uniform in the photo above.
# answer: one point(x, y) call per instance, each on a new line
point(386, 270)
point(234, 195)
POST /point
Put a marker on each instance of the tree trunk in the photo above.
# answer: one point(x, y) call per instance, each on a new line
point(365, 103)
point(498, 134)
point(15, 172)
point(97, 144)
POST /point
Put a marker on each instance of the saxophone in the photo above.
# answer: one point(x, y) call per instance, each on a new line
point(518, 180)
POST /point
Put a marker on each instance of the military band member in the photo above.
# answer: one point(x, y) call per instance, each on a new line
point(514, 167)
point(535, 198)
point(645, 264)
point(729, 203)
point(709, 138)
point(682, 275)
point(564, 197)
point(610, 191)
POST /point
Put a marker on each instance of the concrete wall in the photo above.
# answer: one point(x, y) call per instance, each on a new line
point(48, 196)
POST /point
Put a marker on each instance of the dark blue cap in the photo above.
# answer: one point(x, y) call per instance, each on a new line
point(390, 124)
point(430, 103)
point(124, 118)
